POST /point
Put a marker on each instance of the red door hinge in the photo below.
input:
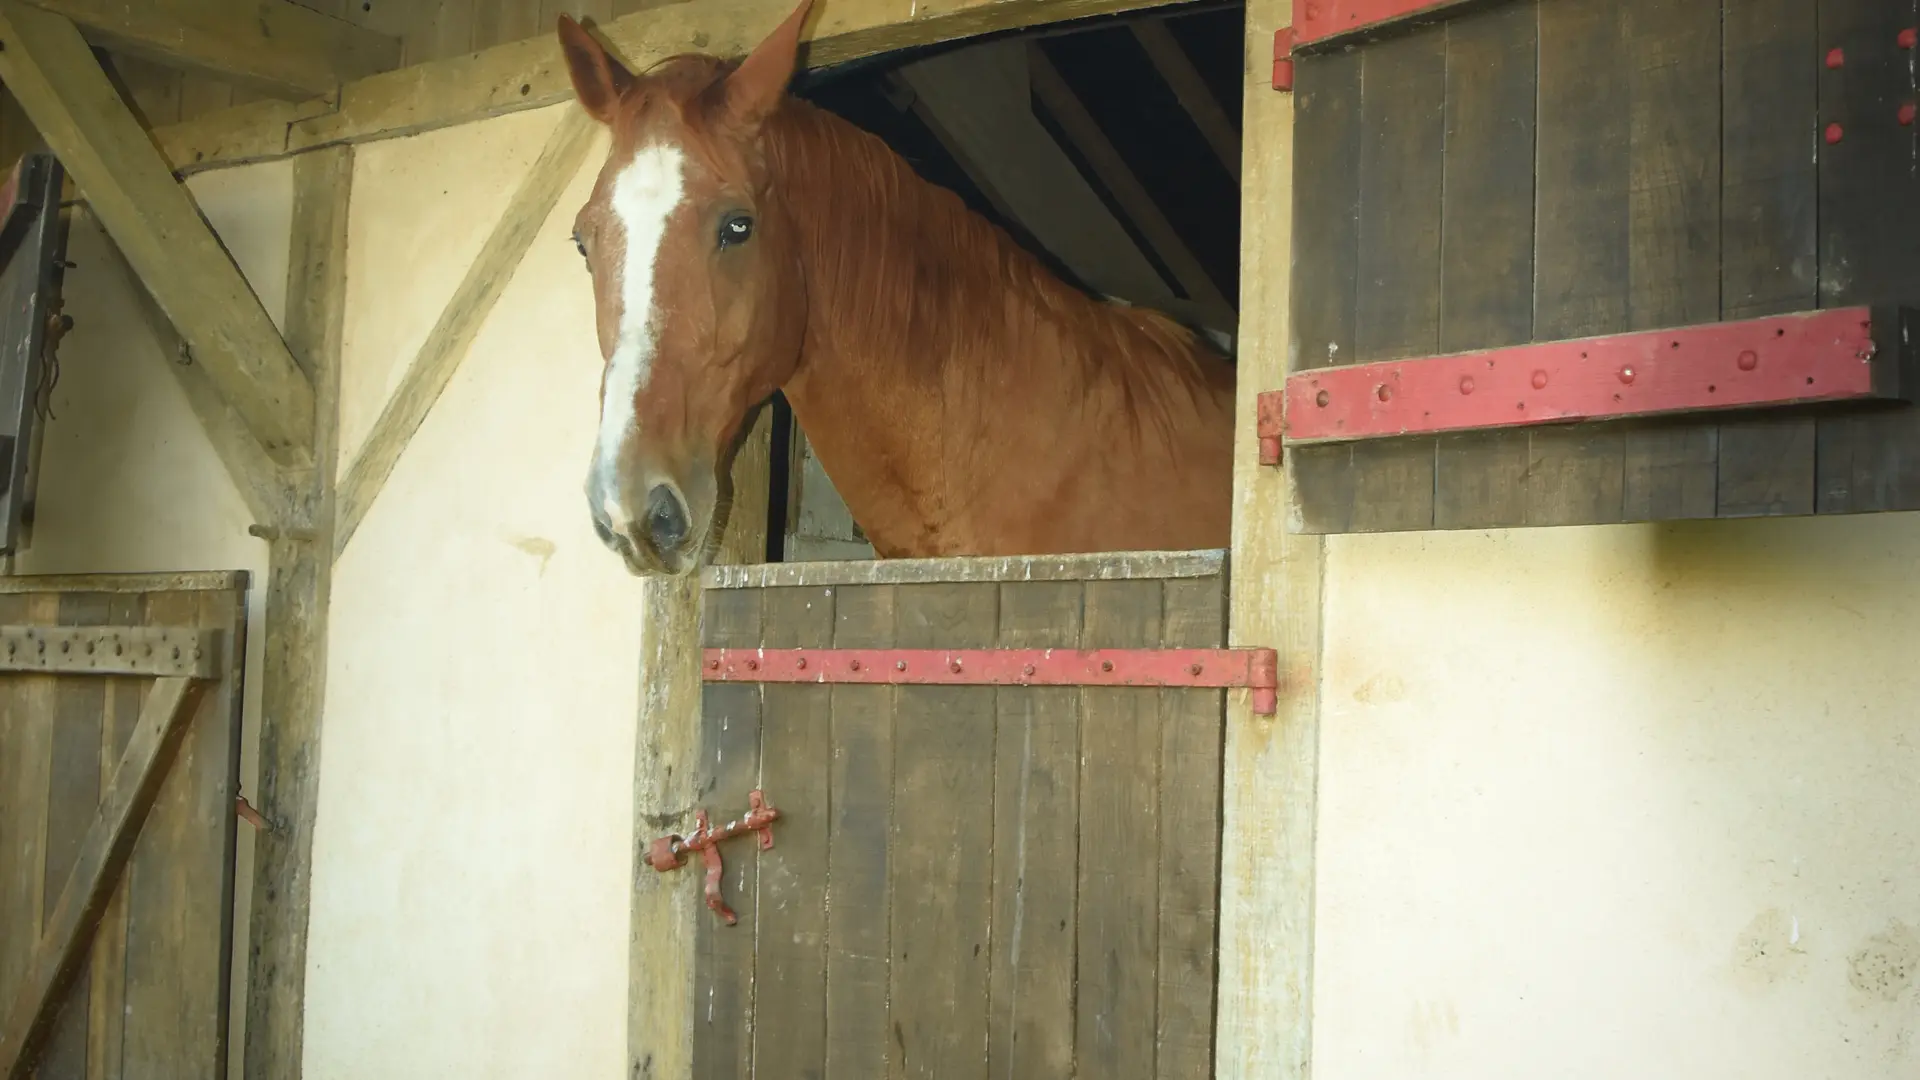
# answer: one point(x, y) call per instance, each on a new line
point(670, 852)
point(1283, 59)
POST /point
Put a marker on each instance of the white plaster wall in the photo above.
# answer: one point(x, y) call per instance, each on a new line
point(128, 481)
point(471, 858)
point(1628, 801)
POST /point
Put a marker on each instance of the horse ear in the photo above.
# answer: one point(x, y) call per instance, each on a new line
point(754, 89)
point(598, 79)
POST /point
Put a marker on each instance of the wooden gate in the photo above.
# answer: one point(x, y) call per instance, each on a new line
point(965, 880)
point(120, 707)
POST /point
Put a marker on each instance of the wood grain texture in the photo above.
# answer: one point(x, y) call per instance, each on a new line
point(26, 733)
point(790, 937)
point(1119, 834)
point(107, 981)
point(1118, 566)
point(1486, 270)
point(1270, 782)
point(1036, 817)
point(48, 66)
point(273, 45)
point(942, 875)
point(1191, 726)
point(94, 871)
point(299, 590)
point(1869, 252)
point(729, 763)
point(452, 336)
point(860, 847)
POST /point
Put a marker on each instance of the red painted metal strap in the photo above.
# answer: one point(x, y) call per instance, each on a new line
point(1843, 354)
point(1256, 669)
point(1283, 58)
point(1317, 20)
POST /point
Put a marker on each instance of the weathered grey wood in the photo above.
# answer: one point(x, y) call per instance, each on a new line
point(293, 674)
point(49, 68)
point(1036, 825)
point(859, 847)
point(108, 845)
point(796, 769)
point(1119, 844)
point(1117, 566)
point(466, 311)
point(1192, 723)
point(111, 650)
point(26, 732)
point(729, 763)
point(107, 1013)
point(942, 845)
point(193, 581)
point(275, 46)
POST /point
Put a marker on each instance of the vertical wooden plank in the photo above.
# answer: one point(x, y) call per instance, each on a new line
point(1869, 237)
point(1581, 248)
point(299, 588)
point(1673, 246)
point(730, 767)
point(1119, 834)
point(450, 33)
point(73, 795)
point(1192, 725)
point(1486, 272)
point(859, 870)
point(1766, 464)
point(796, 755)
point(942, 851)
point(108, 977)
point(1035, 839)
point(1325, 197)
point(180, 878)
point(26, 730)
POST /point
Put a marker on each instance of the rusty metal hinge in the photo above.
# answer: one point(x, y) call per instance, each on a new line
point(1283, 59)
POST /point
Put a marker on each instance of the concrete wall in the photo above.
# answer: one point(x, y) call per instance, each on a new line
point(128, 481)
point(1628, 801)
point(470, 877)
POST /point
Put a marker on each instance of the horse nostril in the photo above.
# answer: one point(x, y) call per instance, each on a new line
point(666, 519)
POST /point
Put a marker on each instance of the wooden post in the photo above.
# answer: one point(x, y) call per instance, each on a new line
point(299, 582)
point(1269, 799)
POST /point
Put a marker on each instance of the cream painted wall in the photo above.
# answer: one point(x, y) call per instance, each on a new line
point(128, 481)
point(472, 853)
point(1629, 801)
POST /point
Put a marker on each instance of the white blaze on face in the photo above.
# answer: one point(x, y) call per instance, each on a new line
point(645, 195)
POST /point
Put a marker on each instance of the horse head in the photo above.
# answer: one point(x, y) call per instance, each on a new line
point(697, 294)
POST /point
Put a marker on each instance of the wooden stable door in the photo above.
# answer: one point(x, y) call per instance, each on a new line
point(965, 880)
point(119, 757)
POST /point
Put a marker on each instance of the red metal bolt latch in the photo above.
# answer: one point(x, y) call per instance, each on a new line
point(1835, 133)
point(669, 852)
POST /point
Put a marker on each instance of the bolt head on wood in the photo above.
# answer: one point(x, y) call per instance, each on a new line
point(1906, 114)
point(1835, 133)
point(1909, 37)
point(1836, 57)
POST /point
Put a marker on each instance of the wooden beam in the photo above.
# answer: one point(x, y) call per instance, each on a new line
point(1174, 66)
point(294, 665)
point(275, 46)
point(979, 101)
point(460, 321)
point(1270, 806)
point(254, 475)
point(529, 74)
point(96, 870)
point(1080, 127)
point(49, 67)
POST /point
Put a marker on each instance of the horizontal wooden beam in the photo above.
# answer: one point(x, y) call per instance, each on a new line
point(51, 71)
point(530, 74)
point(110, 650)
point(96, 870)
point(1325, 21)
point(272, 45)
point(1839, 354)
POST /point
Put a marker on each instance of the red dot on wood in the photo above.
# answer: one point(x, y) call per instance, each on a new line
point(1906, 114)
point(1748, 360)
point(1466, 384)
point(1539, 380)
point(1909, 37)
point(1835, 133)
point(1836, 57)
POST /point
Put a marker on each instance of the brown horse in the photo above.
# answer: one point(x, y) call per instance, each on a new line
point(964, 400)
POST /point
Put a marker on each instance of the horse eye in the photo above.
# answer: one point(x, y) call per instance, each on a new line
point(735, 230)
point(580, 244)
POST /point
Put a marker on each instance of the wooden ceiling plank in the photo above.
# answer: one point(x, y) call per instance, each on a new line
point(52, 71)
point(1191, 90)
point(275, 46)
point(529, 74)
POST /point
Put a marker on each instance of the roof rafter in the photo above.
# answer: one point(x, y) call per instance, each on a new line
point(275, 46)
